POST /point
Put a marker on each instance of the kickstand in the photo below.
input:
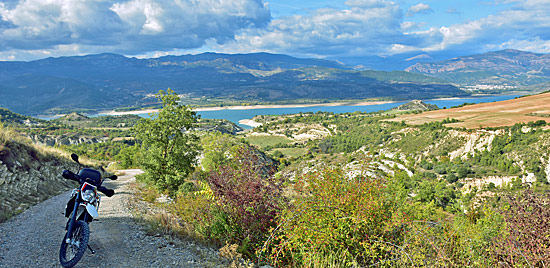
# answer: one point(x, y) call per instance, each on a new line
point(93, 252)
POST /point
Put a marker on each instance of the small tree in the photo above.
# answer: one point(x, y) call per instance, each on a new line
point(169, 150)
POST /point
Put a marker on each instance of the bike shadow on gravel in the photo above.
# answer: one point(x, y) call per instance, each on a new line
point(114, 240)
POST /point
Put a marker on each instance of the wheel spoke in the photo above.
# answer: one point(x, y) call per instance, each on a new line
point(73, 249)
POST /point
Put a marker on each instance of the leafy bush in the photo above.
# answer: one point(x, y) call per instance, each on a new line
point(247, 199)
point(128, 157)
point(336, 221)
point(451, 178)
point(451, 241)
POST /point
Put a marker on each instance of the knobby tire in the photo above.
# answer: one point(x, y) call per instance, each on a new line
point(81, 232)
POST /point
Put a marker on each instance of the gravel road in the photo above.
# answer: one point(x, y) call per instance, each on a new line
point(32, 239)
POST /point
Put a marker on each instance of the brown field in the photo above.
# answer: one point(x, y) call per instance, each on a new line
point(494, 114)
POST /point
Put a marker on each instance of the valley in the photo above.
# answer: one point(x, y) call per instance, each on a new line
point(276, 133)
point(369, 171)
point(439, 160)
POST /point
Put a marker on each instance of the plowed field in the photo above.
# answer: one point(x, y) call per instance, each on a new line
point(494, 114)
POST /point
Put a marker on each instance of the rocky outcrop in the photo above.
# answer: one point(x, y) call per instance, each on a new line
point(416, 105)
point(28, 177)
point(222, 126)
point(47, 140)
point(498, 181)
point(475, 141)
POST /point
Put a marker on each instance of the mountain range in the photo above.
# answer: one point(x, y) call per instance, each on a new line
point(507, 68)
point(108, 81)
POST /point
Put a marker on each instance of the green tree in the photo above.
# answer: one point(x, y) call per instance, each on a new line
point(128, 157)
point(168, 146)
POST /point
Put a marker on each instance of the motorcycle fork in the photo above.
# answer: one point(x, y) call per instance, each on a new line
point(73, 217)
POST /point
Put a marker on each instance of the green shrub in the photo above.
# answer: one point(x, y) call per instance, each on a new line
point(451, 178)
point(336, 221)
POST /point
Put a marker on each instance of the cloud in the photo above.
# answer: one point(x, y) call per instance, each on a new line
point(130, 26)
point(365, 27)
point(31, 29)
point(524, 26)
point(535, 44)
point(420, 8)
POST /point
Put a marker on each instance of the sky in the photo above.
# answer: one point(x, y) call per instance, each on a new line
point(35, 29)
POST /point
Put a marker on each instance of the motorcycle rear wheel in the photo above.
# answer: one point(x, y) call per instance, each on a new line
point(70, 253)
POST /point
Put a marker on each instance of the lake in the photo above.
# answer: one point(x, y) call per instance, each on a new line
point(236, 115)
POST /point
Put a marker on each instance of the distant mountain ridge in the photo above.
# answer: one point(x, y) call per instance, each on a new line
point(506, 67)
point(107, 81)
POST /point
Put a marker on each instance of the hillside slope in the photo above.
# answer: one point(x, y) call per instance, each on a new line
point(507, 67)
point(28, 175)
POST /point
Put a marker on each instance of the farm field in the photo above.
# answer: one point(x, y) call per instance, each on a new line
point(494, 114)
point(292, 152)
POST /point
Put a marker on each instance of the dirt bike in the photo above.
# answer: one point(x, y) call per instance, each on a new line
point(81, 209)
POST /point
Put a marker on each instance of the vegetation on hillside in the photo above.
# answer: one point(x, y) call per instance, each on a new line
point(344, 190)
point(344, 203)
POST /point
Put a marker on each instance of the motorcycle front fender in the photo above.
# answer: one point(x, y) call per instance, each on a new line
point(92, 210)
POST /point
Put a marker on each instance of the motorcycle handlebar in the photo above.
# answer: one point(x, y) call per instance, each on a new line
point(67, 174)
point(107, 192)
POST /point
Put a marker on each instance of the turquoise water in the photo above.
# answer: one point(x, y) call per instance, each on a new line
point(236, 115)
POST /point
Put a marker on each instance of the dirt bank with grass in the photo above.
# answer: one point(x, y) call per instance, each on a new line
point(32, 239)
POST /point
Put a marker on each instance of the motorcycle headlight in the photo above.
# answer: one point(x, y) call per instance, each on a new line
point(88, 196)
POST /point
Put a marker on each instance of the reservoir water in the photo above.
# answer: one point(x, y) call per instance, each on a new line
point(236, 115)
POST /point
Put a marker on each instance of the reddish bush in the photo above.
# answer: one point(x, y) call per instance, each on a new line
point(248, 197)
point(527, 242)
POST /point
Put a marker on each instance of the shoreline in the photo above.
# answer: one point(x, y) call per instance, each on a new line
point(251, 107)
point(249, 122)
point(275, 106)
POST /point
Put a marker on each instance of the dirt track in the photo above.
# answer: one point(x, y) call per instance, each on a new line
point(32, 239)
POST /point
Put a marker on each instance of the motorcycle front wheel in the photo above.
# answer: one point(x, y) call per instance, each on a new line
point(73, 249)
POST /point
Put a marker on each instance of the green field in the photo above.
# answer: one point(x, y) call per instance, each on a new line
point(292, 152)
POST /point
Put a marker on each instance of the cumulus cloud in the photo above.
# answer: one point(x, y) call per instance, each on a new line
point(31, 29)
point(527, 23)
point(131, 26)
point(365, 27)
point(420, 8)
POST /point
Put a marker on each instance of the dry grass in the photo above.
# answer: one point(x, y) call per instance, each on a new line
point(9, 135)
point(494, 114)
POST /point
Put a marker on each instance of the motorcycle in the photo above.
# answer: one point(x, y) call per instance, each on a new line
point(81, 209)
